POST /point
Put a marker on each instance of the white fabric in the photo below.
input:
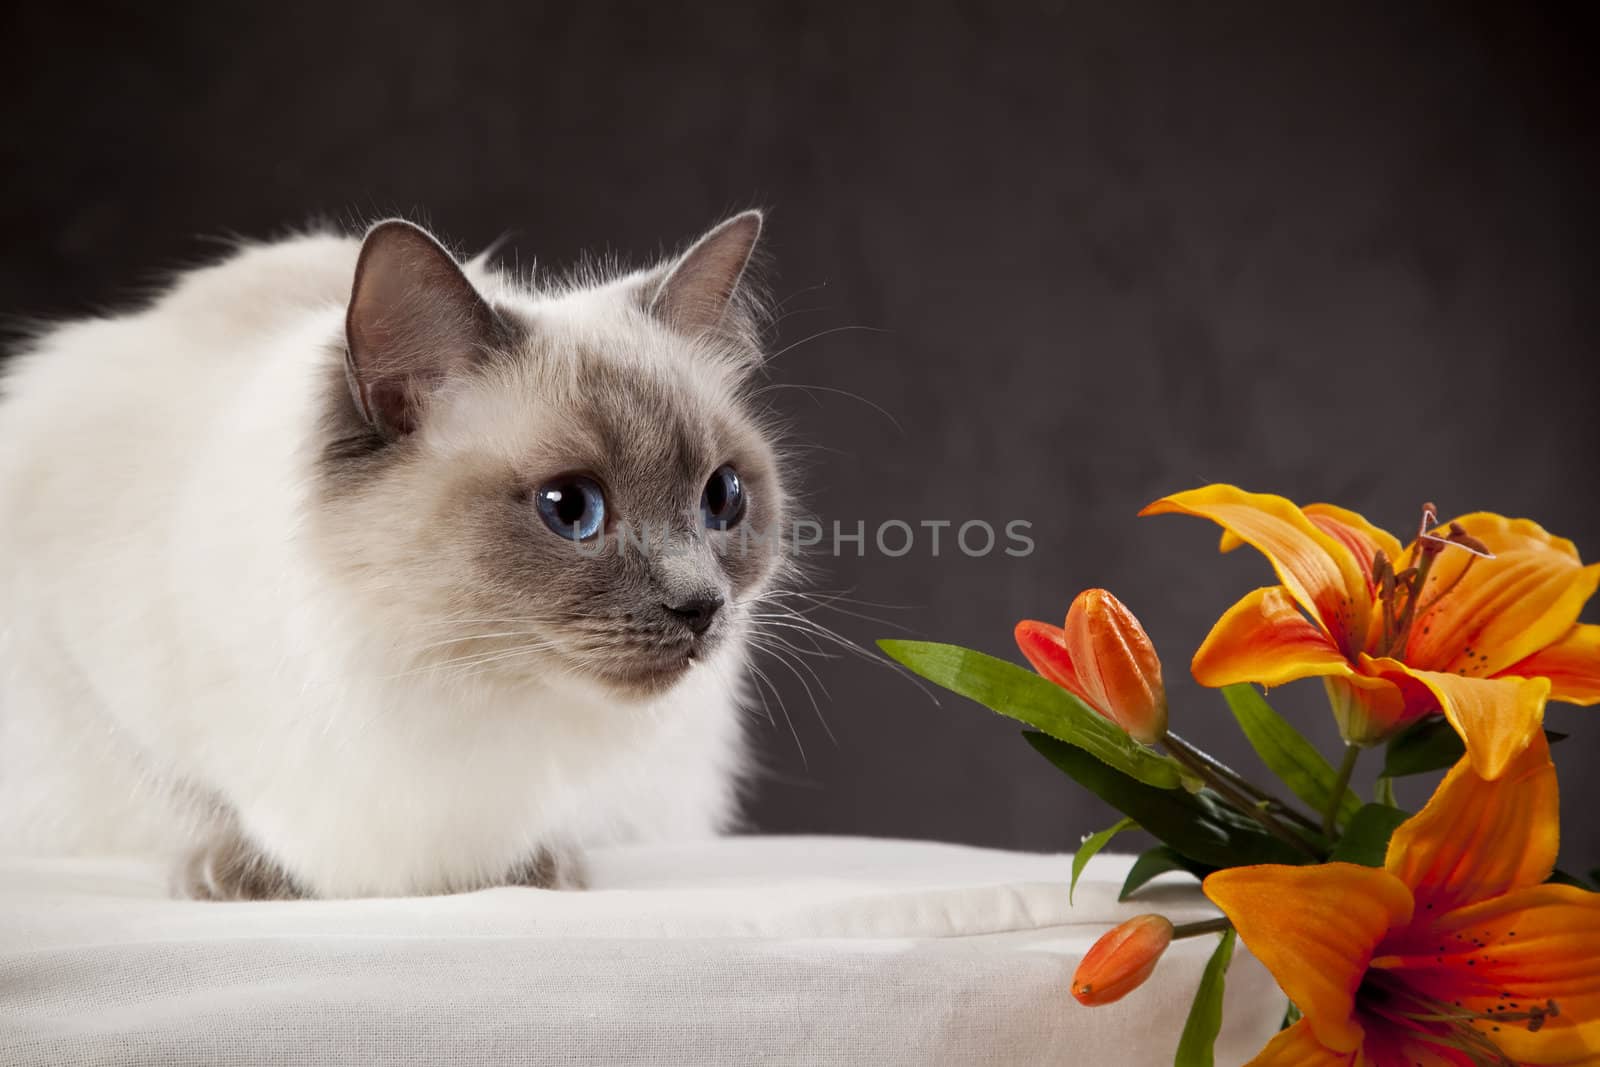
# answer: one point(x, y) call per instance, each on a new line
point(744, 950)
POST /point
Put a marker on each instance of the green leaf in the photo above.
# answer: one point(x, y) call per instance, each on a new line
point(1205, 1014)
point(1022, 695)
point(1158, 861)
point(1287, 753)
point(1366, 838)
point(1560, 877)
point(1431, 745)
point(1197, 825)
point(1092, 844)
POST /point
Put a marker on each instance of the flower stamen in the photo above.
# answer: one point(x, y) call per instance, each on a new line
point(1449, 1026)
point(1399, 592)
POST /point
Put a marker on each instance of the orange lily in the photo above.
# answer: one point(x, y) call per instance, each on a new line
point(1102, 656)
point(1454, 952)
point(1121, 960)
point(1477, 618)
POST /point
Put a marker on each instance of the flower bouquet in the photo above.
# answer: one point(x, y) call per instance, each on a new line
point(1444, 936)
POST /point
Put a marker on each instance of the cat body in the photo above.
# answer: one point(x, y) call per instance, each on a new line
point(275, 595)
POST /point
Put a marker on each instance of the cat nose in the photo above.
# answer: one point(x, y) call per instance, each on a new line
point(697, 612)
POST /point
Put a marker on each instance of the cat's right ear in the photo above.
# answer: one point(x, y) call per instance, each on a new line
point(414, 322)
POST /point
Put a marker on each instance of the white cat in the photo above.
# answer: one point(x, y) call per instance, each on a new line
point(315, 574)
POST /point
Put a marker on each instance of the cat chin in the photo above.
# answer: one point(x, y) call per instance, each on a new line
point(628, 675)
point(642, 689)
point(646, 681)
point(636, 676)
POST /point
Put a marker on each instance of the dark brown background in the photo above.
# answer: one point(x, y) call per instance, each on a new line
point(1338, 251)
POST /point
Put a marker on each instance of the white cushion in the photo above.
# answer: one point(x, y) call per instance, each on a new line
point(749, 949)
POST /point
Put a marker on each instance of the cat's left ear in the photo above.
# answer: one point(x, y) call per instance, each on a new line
point(701, 292)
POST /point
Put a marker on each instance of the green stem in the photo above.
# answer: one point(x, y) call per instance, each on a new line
point(1341, 782)
point(1204, 926)
point(1384, 792)
point(1242, 803)
point(1243, 784)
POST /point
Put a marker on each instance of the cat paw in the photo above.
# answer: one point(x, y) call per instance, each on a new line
point(551, 868)
point(228, 867)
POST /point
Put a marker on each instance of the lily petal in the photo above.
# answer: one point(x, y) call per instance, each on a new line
point(1517, 952)
point(1364, 541)
point(1357, 534)
point(1479, 616)
point(1476, 839)
point(1318, 570)
point(1352, 528)
point(1496, 717)
point(1389, 1044)
point(1045, 647)
point(1314, 928)
point(1501, 534)
point(1572, 664)
point(1265, 639)
point(1298, 1047)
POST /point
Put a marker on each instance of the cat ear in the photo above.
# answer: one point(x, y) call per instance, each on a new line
point(414, 321)
point(700, 291)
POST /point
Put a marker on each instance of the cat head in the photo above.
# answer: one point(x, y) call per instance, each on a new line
point(564, 483)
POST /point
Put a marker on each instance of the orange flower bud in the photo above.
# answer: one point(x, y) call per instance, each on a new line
point(1104, 658)
point(1121, 960)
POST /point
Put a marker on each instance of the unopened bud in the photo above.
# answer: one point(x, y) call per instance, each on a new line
point(1104, 658)
point(1121, 960)
point(1117, 664)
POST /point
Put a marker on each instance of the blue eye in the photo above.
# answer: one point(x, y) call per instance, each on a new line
point(572, 506)
point(722, 504)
